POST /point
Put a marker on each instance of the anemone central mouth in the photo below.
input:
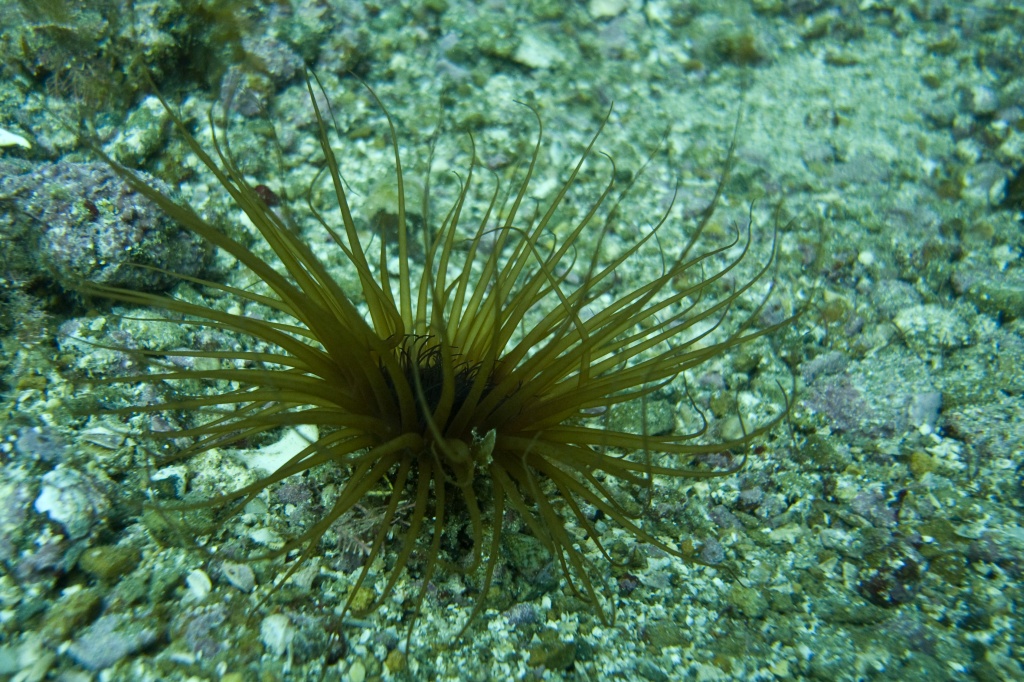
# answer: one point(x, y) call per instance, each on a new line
point(440, 381)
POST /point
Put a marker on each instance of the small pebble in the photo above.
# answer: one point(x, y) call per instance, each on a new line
point(395, 661)
point(921, 463)
point(240, 576)
point(553, 655)
point(71, 612)
point(357, 672)
point(107, 562)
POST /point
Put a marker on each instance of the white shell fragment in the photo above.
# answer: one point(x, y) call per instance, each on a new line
point(71, 499)
point(103, 437)
point(9, 139)
point(272, 457)
point(606, 9)
point(277, 632)
point(267, 538)
point(199, 585)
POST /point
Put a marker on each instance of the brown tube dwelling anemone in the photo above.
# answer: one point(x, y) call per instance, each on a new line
point(466, 398)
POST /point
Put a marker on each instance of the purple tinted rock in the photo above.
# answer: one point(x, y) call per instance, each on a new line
point(773, 313)
point(52, 557)
point(871, 506)
point(924, 409)
point(712, 380)
point(984, 549)
point(40, 442)
point(202, 635)
point(892, 295)
point(894, 583)
point(108, 640)
point(772, 506)
point(521, 614)
point(724, 518)
point(841, 402)
point(751, 498)
point(911, 634)
point(16, 233)
point(628, 584)
point(295, 493)
point(832, 362)
point(854, 326)
point(92, 226)
point(15, 500)
point(274, 57)
point(712, 552)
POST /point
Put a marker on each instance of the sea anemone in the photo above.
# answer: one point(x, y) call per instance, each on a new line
point(468, 396)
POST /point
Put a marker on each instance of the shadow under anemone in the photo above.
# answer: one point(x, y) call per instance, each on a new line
point(467, 398)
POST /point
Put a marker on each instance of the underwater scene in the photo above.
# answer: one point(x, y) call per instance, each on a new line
point(640, 340)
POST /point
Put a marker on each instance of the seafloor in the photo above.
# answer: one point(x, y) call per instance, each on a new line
point(874, 535)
